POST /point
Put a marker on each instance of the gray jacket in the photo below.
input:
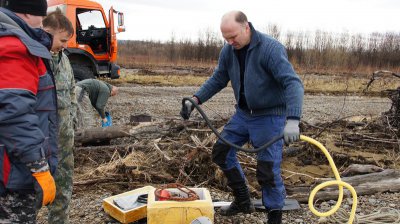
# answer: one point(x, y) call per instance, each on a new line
point(98, 91)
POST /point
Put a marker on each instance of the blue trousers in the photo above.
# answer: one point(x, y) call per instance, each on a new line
point(243, 128)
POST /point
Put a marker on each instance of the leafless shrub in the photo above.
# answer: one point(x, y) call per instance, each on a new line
point(318, 51)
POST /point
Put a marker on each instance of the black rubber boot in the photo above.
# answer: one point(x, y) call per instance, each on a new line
point(241, 203)
point(274, 217)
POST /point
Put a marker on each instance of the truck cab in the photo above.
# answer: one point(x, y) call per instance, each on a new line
point(92, 50)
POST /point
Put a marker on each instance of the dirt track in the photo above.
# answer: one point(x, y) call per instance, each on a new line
point(165, 102)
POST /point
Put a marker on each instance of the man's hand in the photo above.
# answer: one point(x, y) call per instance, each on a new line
point(291, 133)
point(187, 108)
point(45, 187)
point(104, 123)
point(107, 121)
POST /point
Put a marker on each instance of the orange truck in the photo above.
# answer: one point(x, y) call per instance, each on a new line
point(92, 50)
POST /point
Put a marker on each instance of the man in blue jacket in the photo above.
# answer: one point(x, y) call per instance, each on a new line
point(28, 115)
point(269, 97)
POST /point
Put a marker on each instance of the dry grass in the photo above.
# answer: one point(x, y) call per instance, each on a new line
point(138, 61)
point(161, 80)
point(346, 83)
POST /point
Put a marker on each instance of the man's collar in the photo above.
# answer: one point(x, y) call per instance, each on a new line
point(254, 37)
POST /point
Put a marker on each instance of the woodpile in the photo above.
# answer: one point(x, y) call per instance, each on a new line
point(180, 151)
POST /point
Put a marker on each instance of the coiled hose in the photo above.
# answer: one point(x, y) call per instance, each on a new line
point(337, 180)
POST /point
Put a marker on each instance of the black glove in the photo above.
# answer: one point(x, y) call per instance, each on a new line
point(187, 108)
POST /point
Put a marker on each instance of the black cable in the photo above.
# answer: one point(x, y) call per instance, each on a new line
point(208, 122)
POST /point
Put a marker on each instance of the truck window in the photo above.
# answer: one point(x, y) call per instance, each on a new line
point(91, 30)
point(90, 19)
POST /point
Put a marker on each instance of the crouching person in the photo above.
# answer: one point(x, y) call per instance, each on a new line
point(98, 92)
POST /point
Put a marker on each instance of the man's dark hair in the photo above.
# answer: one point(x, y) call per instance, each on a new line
point(57, 21)
point(241, 17)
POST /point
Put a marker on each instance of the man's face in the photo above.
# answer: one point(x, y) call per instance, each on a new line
point(236, 34)
point(60, 39)
point(114, 91)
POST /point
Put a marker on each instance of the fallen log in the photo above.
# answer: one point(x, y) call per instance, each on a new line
point(99, 135)
point(367, 178)
point(153, 130)
point(94, 181)
point(367, 184)
point(355, 169)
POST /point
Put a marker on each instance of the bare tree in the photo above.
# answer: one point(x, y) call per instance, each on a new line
point(319, 50)
point(274, 31)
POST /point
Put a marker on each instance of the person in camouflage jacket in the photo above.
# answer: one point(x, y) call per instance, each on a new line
point(61, 28)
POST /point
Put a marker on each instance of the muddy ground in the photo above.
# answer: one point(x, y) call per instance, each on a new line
point(163, 103)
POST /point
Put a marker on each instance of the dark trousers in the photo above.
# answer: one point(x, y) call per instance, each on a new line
point(243, 128)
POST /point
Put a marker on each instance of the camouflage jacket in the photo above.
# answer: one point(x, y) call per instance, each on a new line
point(66, 99)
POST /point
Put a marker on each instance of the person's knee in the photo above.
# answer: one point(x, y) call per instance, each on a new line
point(219, 154)
point(265, 174)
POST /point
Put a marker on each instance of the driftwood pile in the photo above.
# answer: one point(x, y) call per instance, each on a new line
point(161, 152)
point(392, 116)
point(150, 152)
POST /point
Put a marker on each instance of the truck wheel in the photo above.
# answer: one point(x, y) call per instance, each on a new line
point(82, 72)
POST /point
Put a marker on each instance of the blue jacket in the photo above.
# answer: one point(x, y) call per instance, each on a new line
point(271, 86)
point(28, 104)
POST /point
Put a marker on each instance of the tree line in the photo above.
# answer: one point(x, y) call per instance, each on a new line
point(204, 50)
point(306, 50)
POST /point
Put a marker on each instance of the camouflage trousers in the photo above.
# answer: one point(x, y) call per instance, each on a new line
point(87, 116)
point(59, 209)
point(18, 208)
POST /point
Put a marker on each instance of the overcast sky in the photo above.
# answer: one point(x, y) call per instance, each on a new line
point(161, 19)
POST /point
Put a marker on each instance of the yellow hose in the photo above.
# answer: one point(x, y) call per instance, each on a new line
point(337, 182)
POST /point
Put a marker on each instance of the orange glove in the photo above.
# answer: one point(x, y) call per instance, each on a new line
point(45, 187)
